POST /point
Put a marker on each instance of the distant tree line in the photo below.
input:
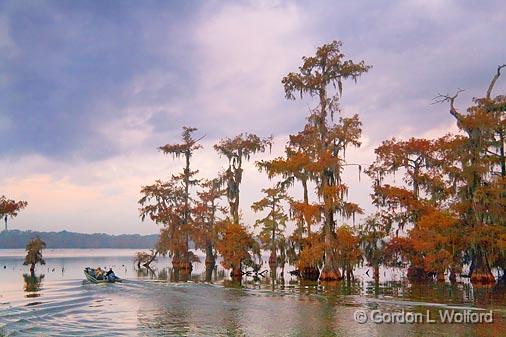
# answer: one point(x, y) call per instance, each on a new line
point(18, 239)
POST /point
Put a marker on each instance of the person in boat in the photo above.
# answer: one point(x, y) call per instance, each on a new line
point(99, 274)
point(110, 275)
point(90, 271)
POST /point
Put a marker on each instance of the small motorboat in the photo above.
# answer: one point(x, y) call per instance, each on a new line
point(91, 277)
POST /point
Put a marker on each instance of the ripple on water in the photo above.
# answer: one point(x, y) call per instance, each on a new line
point(154, 308)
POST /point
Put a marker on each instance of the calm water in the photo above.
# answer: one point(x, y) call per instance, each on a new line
point(58, 303)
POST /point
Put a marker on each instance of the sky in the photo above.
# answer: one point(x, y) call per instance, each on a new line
point(90, 89)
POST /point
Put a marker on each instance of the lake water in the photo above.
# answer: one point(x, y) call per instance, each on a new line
point(58, 303)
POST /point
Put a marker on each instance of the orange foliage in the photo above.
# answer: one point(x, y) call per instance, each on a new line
point(10, 208)
point(347, 248)
point(453, 196)
point(439, 239)
point(236, 245)
point(169, 204)
point(309, 213)
point(324, 141)
point(311, 255)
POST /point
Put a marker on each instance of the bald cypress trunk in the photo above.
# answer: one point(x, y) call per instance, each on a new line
point(210, 261)
point(480, 269)
point(236, 273)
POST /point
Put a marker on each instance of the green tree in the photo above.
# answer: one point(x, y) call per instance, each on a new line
point(237, 149)
point(273, 225)
point(34, 253)
point(373, 238)
point(208, 218)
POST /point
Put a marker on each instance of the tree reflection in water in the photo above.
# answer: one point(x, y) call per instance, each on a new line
point(163, 274)
point(32, 284)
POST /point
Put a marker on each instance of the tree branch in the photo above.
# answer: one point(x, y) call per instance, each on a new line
point(494, 79)
point(492, 153)
point(447, 98)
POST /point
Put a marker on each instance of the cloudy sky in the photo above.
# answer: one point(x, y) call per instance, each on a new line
point(89, 89)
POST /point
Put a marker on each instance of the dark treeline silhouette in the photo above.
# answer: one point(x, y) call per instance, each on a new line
point(18, 239)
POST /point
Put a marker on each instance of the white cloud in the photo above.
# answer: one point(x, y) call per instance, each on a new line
point(244, 51)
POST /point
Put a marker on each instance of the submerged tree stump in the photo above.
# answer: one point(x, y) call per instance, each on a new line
point(417, 274)
point(482, 278)
point(330, 274)
point(480, 269)
point(309, 273)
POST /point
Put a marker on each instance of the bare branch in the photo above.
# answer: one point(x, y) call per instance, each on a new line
point(447, 98)
point(198, 140)
point(492, 153)
point(494, 79)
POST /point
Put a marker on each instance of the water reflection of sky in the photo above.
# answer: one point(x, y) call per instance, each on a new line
point(146, 304)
